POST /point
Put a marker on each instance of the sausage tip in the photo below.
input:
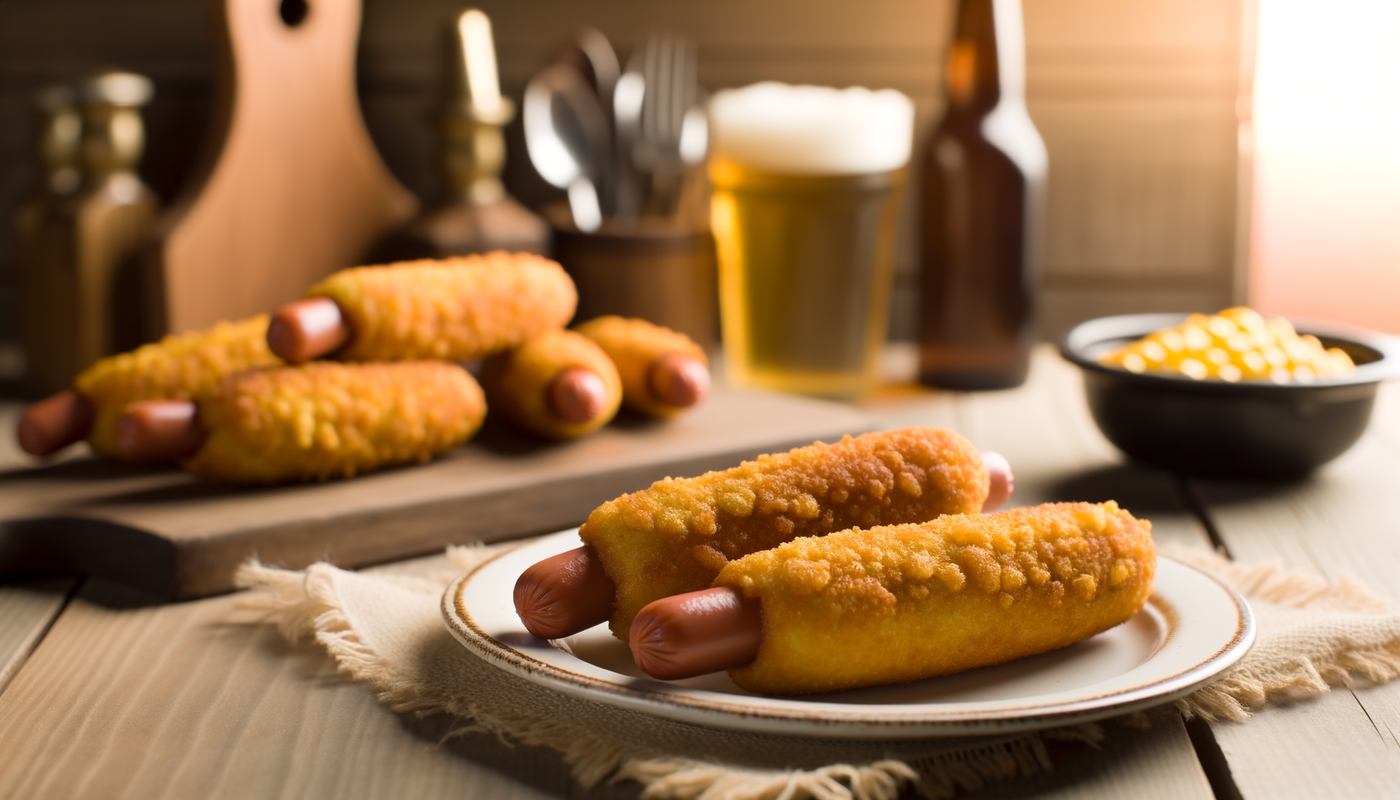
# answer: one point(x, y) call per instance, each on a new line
point(54, 423)
point(158, 430)
point(1003, 482)
point(577, 395)
point(564, 594)
point(679, 380)
point(694, 633)
point(306, 329)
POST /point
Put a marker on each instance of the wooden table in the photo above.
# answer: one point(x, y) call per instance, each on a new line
point(107, 693)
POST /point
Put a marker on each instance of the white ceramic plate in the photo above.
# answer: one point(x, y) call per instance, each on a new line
point(1192, 628)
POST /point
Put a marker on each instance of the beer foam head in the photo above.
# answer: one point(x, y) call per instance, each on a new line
point(812, 130)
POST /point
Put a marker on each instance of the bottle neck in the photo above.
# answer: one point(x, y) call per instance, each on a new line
point(113, 139)
point(474, 155)
point(987, 59)
point(58, 147)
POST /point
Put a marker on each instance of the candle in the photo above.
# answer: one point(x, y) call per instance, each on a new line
point(480, 53)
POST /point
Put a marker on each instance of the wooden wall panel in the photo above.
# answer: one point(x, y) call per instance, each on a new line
point(1136, 102)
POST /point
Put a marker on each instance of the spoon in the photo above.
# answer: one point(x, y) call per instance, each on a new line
point(592, 55)
point(566, 134)
point(628, 94)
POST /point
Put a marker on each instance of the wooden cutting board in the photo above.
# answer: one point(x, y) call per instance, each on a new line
point(163, 531)
point(293, 188)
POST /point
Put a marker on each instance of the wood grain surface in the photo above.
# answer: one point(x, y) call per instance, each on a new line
point(295, 189)
point(125, 697)
point(161, 530)
point(26, 611)
point(1343, 521)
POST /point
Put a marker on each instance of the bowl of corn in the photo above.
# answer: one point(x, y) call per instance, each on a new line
point(1230, 395)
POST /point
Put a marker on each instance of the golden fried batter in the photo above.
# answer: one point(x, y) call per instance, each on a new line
point(455, 309)
point(329, 420)
point(178, 367)
point(677, 535)
point(904, 602)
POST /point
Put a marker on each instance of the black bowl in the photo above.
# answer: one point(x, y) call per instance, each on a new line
point(1229, 430)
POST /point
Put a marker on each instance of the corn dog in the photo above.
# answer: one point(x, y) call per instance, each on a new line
point(904, 602)
point(177, 368)
point(676, 536)
point(455, 309)
point(308, 423)
point(559, 385)
point(663, 372)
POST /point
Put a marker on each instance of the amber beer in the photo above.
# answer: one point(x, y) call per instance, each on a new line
point(806, 191)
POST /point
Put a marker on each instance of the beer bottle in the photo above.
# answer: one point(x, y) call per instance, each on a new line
point(79, 277)
point(983, 210)
point(48, 314)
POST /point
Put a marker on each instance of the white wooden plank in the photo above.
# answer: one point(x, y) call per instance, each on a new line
point(1318, 748)
point(1154, 764)
point(26, 611)
point(1343, 521)
point(125, 700)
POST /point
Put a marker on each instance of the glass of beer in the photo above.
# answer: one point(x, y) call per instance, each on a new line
point(807, 182)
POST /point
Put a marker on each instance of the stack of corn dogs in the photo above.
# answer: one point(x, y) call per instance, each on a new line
point(365, 373)
point(830, 567)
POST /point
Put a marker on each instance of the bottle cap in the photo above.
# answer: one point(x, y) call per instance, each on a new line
point(118, 89)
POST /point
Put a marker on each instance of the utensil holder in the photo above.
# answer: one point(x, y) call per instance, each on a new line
point(658, 270)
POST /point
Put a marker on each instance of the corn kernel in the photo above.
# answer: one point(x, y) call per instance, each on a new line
point(1236, 344)
point(1194, 369)
point(1196, 338)
point(1153, 351)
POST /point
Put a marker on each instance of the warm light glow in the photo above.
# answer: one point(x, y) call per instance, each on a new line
point(480, 53)
point(1326, 238)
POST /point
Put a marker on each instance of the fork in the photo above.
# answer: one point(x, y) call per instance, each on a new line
point(668, 73)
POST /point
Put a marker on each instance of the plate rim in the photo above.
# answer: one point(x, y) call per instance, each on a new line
point(685, 704)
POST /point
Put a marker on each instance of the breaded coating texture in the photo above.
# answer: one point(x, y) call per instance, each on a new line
point(634, 345)
point(326, 420)
point(455, 309)
point(904, 602)
point(517, 383)
point(178, 367)
point(677, 535)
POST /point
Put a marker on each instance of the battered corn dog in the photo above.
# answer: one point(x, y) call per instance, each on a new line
point(178, 367)
point(455, 309)
point(904, 602)
point(314, 422)
point(559, 385)
point(663, 372)
point(676, 536)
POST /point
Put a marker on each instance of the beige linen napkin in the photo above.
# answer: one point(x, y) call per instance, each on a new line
point(387, 630)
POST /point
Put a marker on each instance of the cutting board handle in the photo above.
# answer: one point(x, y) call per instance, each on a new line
point(293, 188)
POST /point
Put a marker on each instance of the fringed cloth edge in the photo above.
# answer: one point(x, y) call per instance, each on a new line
point(1295, 668)
point(303, 604)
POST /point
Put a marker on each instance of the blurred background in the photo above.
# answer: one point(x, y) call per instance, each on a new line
point(1159, 198)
